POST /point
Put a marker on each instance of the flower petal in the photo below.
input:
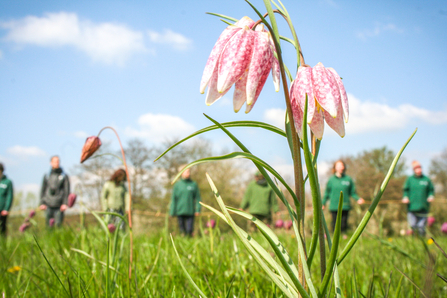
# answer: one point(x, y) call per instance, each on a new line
point(240, 92)
point(296, 110)
point(212, 95)
point(325, 89)
point(260, 64)
point(302, 87)
point(215, 54)
point(337, 123)
point(344, 96)
point(235, 58)
point(317, 125)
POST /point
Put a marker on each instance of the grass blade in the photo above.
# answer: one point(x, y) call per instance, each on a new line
point(407, 277)
point(51, 267)
point(374, 204)
point(186, 272)
point(222, 16)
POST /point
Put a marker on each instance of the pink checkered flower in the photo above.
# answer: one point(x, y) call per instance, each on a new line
point(242, 57)
point(327, 99)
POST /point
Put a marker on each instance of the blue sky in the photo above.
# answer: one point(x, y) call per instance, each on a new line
point(68, 68)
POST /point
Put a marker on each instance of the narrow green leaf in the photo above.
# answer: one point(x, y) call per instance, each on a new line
point(222, 16)
point(374, 204)
point(399, 286)
point(272, 18)
point(51, 267)
point(277, 246)
point(184, 270)
point(407, 277)
point(287, 289)
point(314, 187)
point(334, 249)
point(93, 258)
point(255, 124)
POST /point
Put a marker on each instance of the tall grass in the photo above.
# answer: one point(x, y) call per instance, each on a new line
point(219, 265)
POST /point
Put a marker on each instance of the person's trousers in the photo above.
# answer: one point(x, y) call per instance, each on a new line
point(3, 225)
point(54, 216)
point(417, 222)
point(186, 224)
point(344, 220)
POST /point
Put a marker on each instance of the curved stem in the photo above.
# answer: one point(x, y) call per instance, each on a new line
point(129, 213)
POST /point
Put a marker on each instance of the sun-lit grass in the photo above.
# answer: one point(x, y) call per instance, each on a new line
point(219, 267)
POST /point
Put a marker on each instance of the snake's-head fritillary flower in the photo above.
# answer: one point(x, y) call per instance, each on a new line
point(327, 99)
point(111, 228)
point(91, 145)
point(279, 224)
point(444, 228)
point(288, 224)
point(51, 222)
point(24, 227)
point(242, 57)
point(211, 224)
point(32, 213)
point(430, 221)
point(71, 199)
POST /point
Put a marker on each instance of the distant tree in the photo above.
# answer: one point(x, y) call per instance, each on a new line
point(438, 170)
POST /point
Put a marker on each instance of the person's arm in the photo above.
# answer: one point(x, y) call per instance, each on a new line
point(126, 200)
point(43, 190)
point(327, 192)
point(354, 194)
point(406, 190)
point(431, 192)
point(9, 196)
point(198, 207)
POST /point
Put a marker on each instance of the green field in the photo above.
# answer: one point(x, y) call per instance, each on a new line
point(219, 265)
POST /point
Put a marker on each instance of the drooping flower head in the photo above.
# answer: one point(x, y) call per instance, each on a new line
point(24, 227)
point(91, 145)
point(71, 199)
point(288, 224)
point(111, 228)
point(327, 99)
point(430, 221)
point(279, 224)
point(444, 228)
point(51, 222)
point(244, 57)
point(32, 213)
point(211, 223)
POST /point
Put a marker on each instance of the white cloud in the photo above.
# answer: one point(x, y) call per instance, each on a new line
point(378, 29)
point(81, 134)
point(25, 152)
point(368, 116)
point(275, 116)
point(105, 42)
point(176, 40)
point(158, 127)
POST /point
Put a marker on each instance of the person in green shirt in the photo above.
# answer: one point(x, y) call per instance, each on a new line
point(6, 196)
point(185, 202)
point(418, 194)
point(260, 199)
point(340, 182)
point(115, 197)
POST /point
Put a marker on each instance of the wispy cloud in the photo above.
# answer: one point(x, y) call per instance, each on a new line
point(25, 152)
point(81, 134)
point(368, 116)
point(378, 29)
point(158, 127)
point(107, 42)
point(169, 37)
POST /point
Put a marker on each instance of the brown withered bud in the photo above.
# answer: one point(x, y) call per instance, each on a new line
point(91, 145)
point(71, 199)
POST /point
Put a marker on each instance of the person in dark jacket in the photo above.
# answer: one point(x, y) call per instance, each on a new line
point(54, 193)
point(6, 197)
point(185, 202)
point(418, 194)
point(340, 182)
point(260, 200)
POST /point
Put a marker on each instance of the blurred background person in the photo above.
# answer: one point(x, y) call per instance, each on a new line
point(340, 182)
point(115, 197)
point(6, 197)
